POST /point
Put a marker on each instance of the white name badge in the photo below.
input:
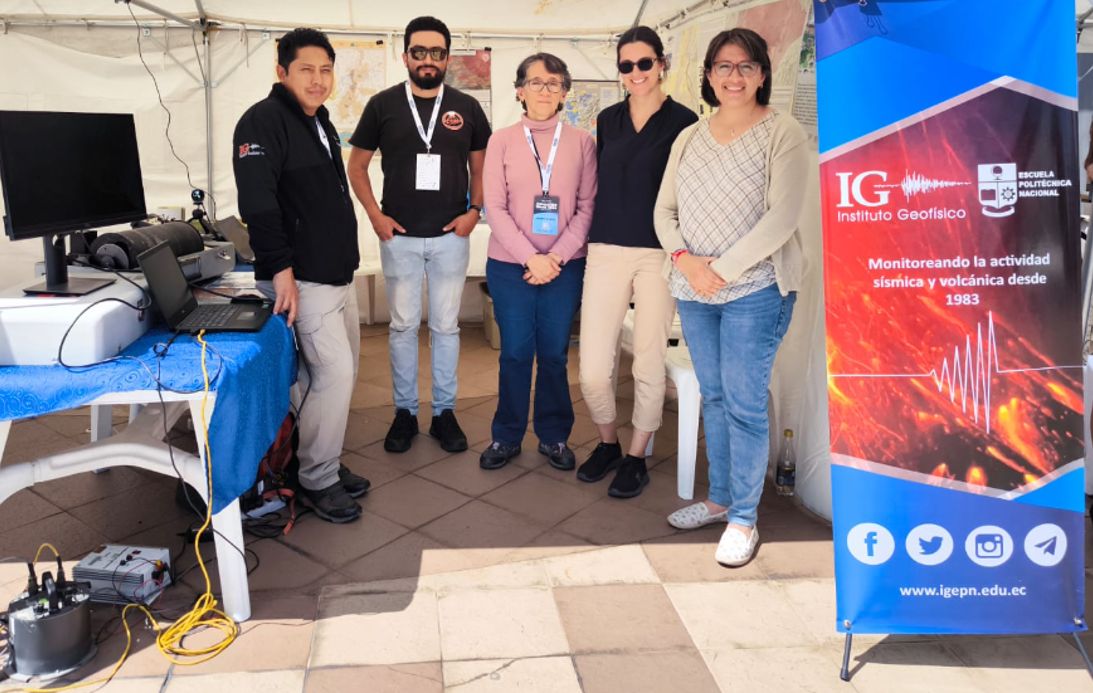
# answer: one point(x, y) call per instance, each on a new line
point(428, 172)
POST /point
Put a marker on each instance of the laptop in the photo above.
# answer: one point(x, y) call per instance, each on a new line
point(233, 230)
point(179, 307)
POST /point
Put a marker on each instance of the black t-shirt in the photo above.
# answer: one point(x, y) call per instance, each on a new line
point(388, 126)
point(630, 167)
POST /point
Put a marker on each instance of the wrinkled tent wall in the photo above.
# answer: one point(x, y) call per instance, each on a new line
point(96, 69)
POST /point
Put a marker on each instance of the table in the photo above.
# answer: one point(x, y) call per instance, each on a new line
point(250, 373)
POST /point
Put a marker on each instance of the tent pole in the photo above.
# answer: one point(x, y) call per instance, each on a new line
point(209, 122)
point(161, 12)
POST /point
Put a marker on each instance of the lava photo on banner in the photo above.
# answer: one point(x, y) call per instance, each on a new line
point(952, 349)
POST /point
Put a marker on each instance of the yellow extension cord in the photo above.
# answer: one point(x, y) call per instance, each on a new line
point(204, 613)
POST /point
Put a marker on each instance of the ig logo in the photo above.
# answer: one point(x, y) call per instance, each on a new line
point(850, 186)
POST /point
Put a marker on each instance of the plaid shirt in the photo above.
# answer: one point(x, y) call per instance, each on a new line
point(721, 188)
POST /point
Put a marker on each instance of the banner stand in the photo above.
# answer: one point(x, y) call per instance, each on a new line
point(953, 294)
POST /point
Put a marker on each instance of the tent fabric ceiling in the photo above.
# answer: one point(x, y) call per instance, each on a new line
point(548, 17)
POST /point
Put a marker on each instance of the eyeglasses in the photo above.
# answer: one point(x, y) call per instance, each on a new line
point(725, 68)
point(538, 85)
point(645, 64)
point(419, 52)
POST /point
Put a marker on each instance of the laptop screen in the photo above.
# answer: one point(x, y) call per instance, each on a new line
point(167, 283)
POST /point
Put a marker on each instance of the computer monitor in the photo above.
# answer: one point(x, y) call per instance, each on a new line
point(65, 172)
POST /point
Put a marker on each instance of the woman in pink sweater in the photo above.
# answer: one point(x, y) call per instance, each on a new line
point(540, 183)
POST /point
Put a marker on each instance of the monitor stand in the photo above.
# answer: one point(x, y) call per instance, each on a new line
point(57, 282)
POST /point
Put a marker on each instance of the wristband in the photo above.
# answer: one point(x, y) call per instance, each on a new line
point(677, 253)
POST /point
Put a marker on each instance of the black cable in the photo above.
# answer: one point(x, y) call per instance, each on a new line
point(159, 97)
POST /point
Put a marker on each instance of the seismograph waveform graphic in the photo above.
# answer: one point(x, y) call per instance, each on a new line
point(918, 184)
point(969, 373)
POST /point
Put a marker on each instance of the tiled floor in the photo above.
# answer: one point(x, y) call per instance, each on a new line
point(522, 579)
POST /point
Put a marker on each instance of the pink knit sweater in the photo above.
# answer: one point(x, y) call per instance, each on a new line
point(512, 182)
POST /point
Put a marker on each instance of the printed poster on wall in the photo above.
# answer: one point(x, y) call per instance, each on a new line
point(952, 269)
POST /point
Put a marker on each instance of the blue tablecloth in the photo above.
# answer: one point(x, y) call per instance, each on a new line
point(250, 372)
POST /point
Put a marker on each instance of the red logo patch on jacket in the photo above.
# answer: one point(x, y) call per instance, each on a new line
point(452, 120)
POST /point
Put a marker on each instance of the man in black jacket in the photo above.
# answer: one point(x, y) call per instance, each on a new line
point(294, 197)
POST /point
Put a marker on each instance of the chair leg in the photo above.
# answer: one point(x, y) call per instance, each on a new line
point(690, 404)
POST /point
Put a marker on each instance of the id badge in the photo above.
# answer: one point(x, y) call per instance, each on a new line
point(428, 172)
point(544, 218)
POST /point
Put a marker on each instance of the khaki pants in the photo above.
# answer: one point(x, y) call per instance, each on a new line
point(614, 276)
point(328, 335)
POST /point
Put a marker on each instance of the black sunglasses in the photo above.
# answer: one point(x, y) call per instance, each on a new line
point(645, 64)
point(419, 53)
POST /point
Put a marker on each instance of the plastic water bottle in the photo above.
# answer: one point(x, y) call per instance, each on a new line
point(785, 477)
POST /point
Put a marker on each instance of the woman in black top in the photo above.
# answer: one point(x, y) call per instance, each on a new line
point(626, 262)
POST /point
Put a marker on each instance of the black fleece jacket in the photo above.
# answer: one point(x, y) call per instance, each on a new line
point(293, 193)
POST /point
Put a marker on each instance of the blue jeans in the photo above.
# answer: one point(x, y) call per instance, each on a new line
point(406, 262)
point(732, 346)
point(534, 322)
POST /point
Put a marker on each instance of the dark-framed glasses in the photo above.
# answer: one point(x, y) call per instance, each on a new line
point(746, 68)
point(538, 85)
point(645, 64)
point(436, 53)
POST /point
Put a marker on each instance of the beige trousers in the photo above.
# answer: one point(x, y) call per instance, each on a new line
point(328, 334)
point(615, 276)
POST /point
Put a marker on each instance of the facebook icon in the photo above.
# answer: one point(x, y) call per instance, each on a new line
point(870, 543)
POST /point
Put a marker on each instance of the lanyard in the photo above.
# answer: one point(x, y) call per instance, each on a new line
point(426, 137)
point(544, 173)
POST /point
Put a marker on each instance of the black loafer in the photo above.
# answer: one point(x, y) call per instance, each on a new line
point(402, 432)
point(631, 478)
point(446, 429)
point(497, 455)
point(559, 454)
point(354, 484)
point(605, 458)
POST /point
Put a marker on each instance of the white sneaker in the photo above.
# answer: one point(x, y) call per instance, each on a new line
point(695, 516)
point(736, 548)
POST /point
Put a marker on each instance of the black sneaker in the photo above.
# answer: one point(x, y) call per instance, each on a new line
point(561, 457)
point(606, 457)
point(332, 503)
point(354, 484)
point(446, 429)
point(497, 455)
point(402, 431)
point(631, 478)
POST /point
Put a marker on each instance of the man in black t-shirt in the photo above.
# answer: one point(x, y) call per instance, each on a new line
point(432, 139)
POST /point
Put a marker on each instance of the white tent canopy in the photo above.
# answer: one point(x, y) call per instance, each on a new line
point(216, 58)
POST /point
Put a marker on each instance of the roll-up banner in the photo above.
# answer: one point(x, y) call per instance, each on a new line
point(952, 263)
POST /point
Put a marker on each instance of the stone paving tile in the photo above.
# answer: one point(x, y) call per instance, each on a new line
point(423, 452)
point(620, 618)
point(356, 627)
point(426, 677)
point(500, 624)
point(647, 672)
point(71, 536)
point(544, 499)
point(481, 525)
point(912, 667)
point(285, 681)
point(116, 518)
point(614, 521)
point(689, 557)
point(538, 674)
point(1016, 664)
point(335, 545)
point(80, 489)
point(743, 614)
point(378, 472)
point(402, 558)
point(412, 501)
point(461, 473)
point(786, 670)
point(23, 508)
point(616, 565)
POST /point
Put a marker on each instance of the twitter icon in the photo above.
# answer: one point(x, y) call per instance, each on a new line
point(929, 544)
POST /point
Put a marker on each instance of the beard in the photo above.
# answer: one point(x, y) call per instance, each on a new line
point(427, 82)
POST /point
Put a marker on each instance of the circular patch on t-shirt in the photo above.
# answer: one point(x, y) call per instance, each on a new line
point(452, 120)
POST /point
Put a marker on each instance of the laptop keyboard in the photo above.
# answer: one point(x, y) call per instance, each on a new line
point(210, 316)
